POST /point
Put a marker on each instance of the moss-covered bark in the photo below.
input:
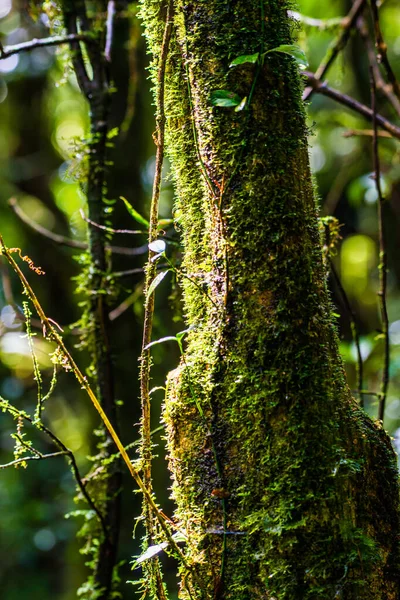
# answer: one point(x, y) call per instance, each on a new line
point(265, 441)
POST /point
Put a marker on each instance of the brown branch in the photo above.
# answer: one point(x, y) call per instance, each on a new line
point(347, 25)
point(365, 133)
point(65, 241)
point(321, 88)
point(382, 50)
point(37, 456)
point(380, 83)
point(57, 40)
point(121, 308)
point(382, 257)
point(321, 24)
point(111, 229)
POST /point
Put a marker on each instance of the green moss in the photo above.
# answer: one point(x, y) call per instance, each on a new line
point(262, 431)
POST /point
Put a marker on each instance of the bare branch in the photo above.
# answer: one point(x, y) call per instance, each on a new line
point(64, 241)
point(365, 133)
point(347, 24)
point(38, 456)
point(382, 49)
point(57, 40)
point(365, 111)
point(381, 84)
point(111, 229)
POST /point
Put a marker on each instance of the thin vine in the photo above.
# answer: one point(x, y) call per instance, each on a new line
point(154, 570)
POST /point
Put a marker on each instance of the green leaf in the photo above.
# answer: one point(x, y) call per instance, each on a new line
point(112, 133)
point(164, 222)
point(156, 281)
point(246, 58)
point(134, 213)
point(181, 334)
point(224, 98)
point(294, 51)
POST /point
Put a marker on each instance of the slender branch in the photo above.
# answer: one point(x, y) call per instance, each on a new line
point(27, 446)
point(65, 241)
point(127, 273)
point(354, 331)
point(347, 25)
point(382, 257)
point(380, 83)
point(367, 393)
point(57, 40)
point(322, 24)
point(111, 229)
point(151, 271)
point(365, 111)
point(365, 133)
point(111, 10)
point(382, 49)
point(38, 456)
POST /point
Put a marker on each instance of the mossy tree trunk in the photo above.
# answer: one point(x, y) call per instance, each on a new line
point(286, 489)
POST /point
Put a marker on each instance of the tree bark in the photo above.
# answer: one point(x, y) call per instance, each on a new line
point(286, 489)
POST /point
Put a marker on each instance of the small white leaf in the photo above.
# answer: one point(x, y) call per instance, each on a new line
point(169, 338)
point(150, 552)
point(158, 246)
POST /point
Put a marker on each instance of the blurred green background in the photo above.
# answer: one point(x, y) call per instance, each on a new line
point(43, 120)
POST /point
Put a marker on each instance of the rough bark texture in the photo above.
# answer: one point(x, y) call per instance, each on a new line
point(265, 441)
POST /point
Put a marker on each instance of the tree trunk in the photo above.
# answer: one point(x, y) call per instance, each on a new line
point(286, 489)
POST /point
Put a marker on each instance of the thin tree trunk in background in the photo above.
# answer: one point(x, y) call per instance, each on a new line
point(96, 89)
point(286, 489)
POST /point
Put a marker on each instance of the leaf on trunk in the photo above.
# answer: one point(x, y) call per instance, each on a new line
point(246, 58)
point(294, 51)
point(225, 99)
